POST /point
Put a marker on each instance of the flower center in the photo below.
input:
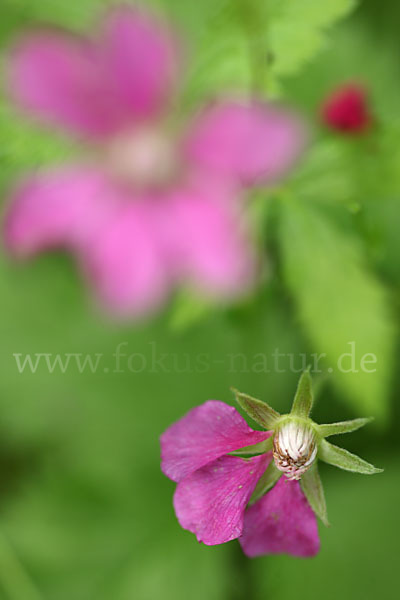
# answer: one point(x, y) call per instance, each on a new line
point(294, 449)
point(145, 158)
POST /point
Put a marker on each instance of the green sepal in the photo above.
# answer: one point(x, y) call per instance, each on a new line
point(303, 399)
point(312, 487)
point(260, 448)
point(266, 482)
point(259, 411)
point(339, 457)
point(343, 426)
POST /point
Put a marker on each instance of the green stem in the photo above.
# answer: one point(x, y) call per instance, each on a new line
point(240, 575)
point(258, 53)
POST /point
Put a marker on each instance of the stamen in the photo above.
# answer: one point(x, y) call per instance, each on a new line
point(294, 449)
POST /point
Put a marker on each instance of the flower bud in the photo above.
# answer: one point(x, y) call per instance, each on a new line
point(346, 110)
point(294, 448)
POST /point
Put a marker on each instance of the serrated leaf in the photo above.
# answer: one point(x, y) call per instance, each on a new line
point(298, 28)
point(343, 426)
point(339, 457)
point(312, 487)
point(266, 482)
point(220, 60)
point(259, 411)
point(250, 45)
point(343, 307)
point(303, 399)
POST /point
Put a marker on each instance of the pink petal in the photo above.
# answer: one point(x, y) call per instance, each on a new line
point(204, 434)
point(54, 209)
point(140, 56)
point(211, 501)
point(113, 233)
point(252, 144)
point(60, 78)
point(125, 262)
point(211, 239)
point(281, 522)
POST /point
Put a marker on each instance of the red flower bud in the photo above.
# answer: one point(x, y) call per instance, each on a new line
point(346, 109)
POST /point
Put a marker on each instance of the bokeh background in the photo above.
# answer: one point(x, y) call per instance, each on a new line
point(84, 509)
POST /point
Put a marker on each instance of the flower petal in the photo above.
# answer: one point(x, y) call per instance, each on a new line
point(253, 143)
point(204, 434)
point(58, 208)
point(211, 501)
point(140, 60)
point(211, 239)
point(60, 78)
point(281, 522)
point(113, 233)
point(125, 262)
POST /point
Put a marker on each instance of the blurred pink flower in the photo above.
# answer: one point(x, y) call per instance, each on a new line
point(214, 489)
point(154, 208)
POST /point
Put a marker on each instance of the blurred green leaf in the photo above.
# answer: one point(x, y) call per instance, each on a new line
point(343, 308)
point(297, 30)
point(326, 173)
point(251, 45)
point(379, 223)
point(29, 146)
point(220, 59)
point(188, 309)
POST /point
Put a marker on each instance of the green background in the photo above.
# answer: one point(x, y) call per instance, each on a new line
point(84, 510)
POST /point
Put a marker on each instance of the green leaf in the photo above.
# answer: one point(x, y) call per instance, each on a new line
point(249, 44)
point(343, 426)
point(266, 482)
point(343, 307)
point(187, 310)
point(220, 60)
point(259, 411)
point(327, 173)
point(303, 399)
point(312, 487)
point(339, 457)
point(29, 146)
point(297, 30)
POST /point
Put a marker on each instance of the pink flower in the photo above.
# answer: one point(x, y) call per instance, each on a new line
point(214, 488)
point(346, 109)
point(154, 207)
point(220, 496)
